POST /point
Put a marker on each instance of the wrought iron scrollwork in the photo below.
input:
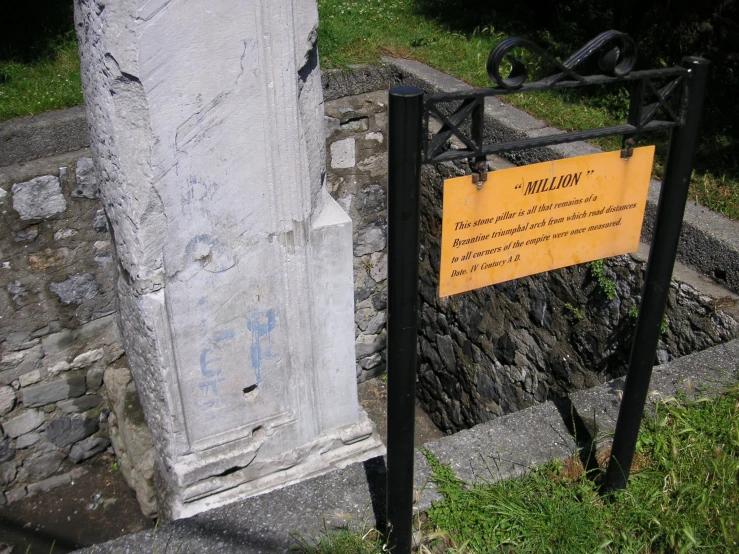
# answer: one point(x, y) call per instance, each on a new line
point(617, 53)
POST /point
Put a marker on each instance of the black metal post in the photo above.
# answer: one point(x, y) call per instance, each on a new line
point(670, 211)
point(404, 178)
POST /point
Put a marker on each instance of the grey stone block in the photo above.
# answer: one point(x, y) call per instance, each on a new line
point(38, 198)
point(7, 400)
point(29, 439)
point(43, 465)
point(24, 423)
point(76, 289)
point(16, 494)
point(56, 481)
point(15, 364)
point(7, 452)
point(42, 394)
point(506, 447)
point(87, 186)
point(372, 238)
point(705, 373)
point(100, 222)
point(65, 430)
point(87, 448)
point(8, 471)
point(80, 404)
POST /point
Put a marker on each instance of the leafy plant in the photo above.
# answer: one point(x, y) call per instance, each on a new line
point(605, 284)
point(575, 312)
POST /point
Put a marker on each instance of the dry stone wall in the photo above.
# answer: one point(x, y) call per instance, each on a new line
point(497, 350)
point(357, 179)
point(503, 348)
point(58, 331)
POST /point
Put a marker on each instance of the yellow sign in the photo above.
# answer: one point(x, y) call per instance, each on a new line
point(541, 217)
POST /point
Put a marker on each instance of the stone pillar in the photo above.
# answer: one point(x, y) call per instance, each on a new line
point(234, 284)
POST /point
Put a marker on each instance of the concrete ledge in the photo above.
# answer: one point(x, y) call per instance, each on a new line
point(43, 135)
point(706, 373)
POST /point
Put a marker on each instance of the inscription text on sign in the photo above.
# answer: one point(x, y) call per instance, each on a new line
point(540, 217)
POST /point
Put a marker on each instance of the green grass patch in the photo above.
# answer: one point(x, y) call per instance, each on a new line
point(49, 83)
point(683, 496)
point(353, 32)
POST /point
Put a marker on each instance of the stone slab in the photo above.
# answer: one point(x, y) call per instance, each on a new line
point(507, 446)
point(706, 373)
point(43, 135)
point(42, 394)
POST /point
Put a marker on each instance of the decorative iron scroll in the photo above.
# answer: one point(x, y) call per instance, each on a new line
point(461, 114)
point(617, 53)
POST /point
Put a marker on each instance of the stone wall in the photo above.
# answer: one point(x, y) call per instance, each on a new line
point(500, 349)
point(58, 331)
point(503, 348)
point(357, 179)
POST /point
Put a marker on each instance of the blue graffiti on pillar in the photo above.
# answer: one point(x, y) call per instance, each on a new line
point(207, 360)
point(260, 325)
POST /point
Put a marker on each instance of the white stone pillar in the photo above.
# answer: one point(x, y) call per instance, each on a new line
point(234, 264)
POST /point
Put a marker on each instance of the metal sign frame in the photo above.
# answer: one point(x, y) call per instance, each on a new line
point(679, 102)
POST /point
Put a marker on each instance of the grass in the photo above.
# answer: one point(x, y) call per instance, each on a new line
point(683, 496)
point(362, 31)
point(49, 83)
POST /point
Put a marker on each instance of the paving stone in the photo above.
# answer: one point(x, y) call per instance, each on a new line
point(42, 394)
point(65, 430)
point(80, 404)
point(88, 448)
point(24, 423)
point(76, 289)
point(39, 198)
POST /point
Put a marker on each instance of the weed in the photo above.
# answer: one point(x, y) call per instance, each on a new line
point(605, 284)
point(575, 312)
point(633, 313)
point(341, 541)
